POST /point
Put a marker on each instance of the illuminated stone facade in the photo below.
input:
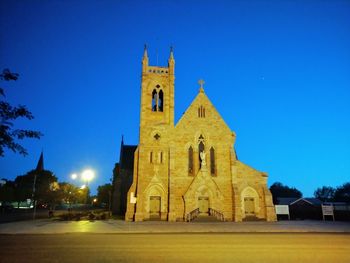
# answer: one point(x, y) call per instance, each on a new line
point(189, 169)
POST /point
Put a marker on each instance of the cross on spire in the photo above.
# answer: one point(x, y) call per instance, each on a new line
point(201, 83)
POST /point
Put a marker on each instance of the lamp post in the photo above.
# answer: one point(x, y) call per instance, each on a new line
point(73, 177)
point(87, 175)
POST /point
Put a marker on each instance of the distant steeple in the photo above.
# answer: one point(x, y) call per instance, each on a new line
point(40, 165)
point(121, 151)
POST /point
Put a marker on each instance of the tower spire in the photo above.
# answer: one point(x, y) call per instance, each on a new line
point(145, 55)
point(171, 61)
point(171, 53)
point(144, 59)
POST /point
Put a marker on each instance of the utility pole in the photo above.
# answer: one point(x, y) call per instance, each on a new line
point(33, 196)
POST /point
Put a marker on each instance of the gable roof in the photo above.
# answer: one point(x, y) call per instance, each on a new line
point(310, 200)
point(211, 112)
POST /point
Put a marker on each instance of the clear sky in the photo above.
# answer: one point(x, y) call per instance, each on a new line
point(277, 71)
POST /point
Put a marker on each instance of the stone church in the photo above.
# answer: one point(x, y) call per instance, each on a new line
point(189, 169)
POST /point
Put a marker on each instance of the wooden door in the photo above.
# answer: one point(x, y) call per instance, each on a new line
point(154, 205)
point(249, 206)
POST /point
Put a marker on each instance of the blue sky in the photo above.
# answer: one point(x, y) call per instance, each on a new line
point(277, 71)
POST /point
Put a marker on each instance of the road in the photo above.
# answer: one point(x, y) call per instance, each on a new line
point(208, 247)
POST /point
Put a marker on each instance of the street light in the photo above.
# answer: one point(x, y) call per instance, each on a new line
point(87, 175)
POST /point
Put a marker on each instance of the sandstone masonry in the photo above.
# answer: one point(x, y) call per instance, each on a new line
point(189, 169)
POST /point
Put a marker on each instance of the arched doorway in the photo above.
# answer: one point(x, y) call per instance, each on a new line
point(155, 202)
point(250, 202)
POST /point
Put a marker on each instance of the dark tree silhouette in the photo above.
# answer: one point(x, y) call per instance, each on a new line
point(7, 191)
point(45, 186)
point(8, 114)
point(280, 190)
point(104, 194)
point(325, 193)
point(342, 193)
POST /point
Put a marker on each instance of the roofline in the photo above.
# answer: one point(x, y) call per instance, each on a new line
point(301, 199)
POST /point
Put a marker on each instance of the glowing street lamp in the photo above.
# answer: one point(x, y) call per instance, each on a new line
point(74, 176)
point(87, 175)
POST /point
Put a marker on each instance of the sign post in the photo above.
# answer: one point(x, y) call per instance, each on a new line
point(327, 210)
point(282, 210)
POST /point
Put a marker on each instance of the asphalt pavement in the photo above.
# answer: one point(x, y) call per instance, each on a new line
point(177, 247)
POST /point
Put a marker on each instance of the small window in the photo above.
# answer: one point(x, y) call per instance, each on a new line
point(201, 112)
point(154, 100)
point(161, 157)
point(157, 136)
point(151, 157)
point(160, 101)
point(212, 161)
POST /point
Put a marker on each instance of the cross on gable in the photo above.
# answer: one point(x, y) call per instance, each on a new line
point(201, 83)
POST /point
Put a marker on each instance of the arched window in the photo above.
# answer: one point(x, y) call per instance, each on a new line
point(212, 161)
point(151, 157)
point(160, 101)
point(154, 100)
point(190, 160)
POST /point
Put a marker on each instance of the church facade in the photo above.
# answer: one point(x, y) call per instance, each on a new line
point(190, 168)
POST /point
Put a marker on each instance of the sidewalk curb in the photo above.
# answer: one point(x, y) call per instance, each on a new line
point(45, 226)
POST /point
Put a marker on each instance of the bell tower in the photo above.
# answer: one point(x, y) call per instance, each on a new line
point(157, 96)
point(149, 191)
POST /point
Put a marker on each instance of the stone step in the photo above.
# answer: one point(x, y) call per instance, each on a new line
point(252, 218)
point(205, 218)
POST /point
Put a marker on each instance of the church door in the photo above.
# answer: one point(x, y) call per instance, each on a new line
point(203, 203)
point(249, 206)
point(154, 205)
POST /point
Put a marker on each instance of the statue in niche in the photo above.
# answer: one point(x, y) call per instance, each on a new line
point(202, 155)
